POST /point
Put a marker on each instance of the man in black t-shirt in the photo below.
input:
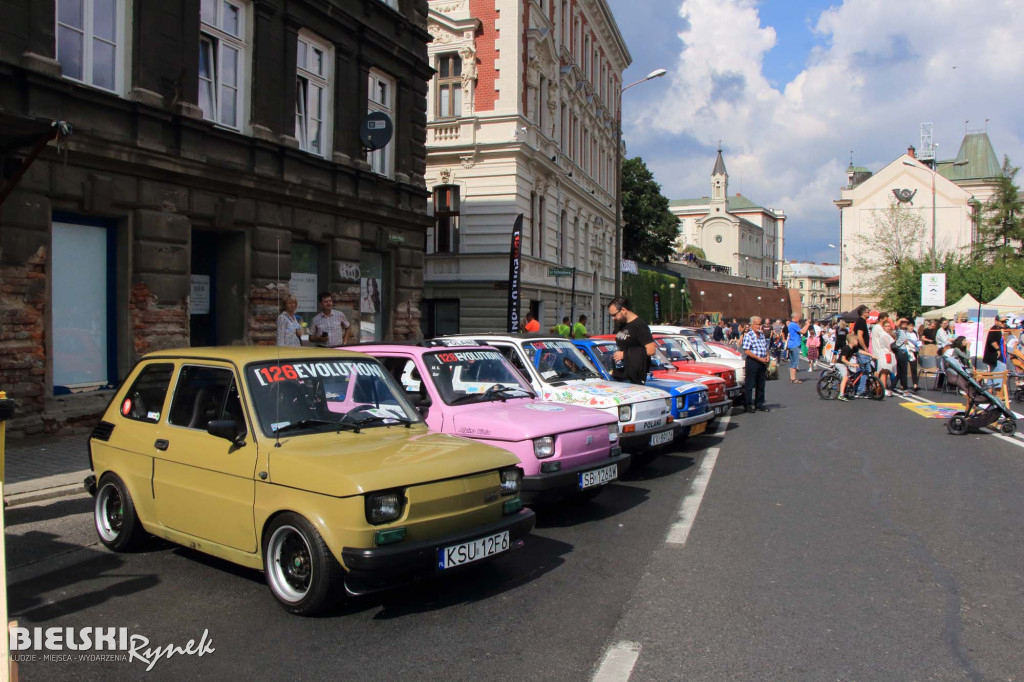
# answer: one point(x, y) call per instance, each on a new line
point(860, 330)
point(636, 345)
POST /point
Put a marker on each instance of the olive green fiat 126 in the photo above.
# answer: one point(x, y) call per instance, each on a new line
point(307, 464)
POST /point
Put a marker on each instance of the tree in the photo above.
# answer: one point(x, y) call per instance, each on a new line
point(696, 251)
point(648, 227)
point(890, 254)
point(1002, 228)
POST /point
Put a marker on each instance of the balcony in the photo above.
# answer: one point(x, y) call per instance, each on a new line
point(453, 133)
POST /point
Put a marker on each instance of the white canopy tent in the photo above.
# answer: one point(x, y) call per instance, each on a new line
point(1007, 303)
point(965, 304)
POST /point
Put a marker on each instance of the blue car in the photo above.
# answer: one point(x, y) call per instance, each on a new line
point(689, 400)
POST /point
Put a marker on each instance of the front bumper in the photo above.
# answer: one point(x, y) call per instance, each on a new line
point(639, 442)
point(696, 419)
point(371, 570)
point(565, 482)
point(734, 391)
point(720, 408)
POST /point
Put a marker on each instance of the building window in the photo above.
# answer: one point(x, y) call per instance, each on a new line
point(222, 60)
point(446, 215)
point(540, 227)
point(312, 95)
point(449, 86)
point(381, 97)
point(84, 282)
point(90, 41)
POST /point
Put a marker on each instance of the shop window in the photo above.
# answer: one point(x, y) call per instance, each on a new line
point(446, 216)
point(381, 97)
point(442, 317)
point(223, 58)
point(313, 95)
point(449, 86)
point(90, 36)
point(84, 306)
point(372, 298)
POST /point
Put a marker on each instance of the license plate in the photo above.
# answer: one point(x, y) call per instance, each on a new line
point(662, 438)
point(474, 550)
point(698, 428)
point(721, 410)
point(588, 479)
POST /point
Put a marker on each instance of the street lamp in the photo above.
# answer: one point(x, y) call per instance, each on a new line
point(729, 314)
point(657, 73)
point(672, 301)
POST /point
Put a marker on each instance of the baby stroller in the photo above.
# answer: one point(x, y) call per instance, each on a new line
point(983, 408)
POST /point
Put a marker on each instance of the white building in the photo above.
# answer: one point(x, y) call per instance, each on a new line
point(521, 119)
point(733, 231)
point(948, 201)
point(810, 281)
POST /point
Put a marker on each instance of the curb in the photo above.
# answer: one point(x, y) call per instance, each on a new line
point(44, 495)
point(43, 489)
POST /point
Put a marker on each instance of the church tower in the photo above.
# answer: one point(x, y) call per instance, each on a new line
point(719, 181)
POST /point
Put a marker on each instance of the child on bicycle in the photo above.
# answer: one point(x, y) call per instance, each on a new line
point(848, 362)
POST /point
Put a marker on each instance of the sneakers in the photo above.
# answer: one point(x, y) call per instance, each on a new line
point(888, 394)
point(844, 398)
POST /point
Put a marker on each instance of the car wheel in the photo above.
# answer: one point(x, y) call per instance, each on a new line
point(828, 388)
point(117, 524)
point(957, 425)
point(301, 572)
point(1008, 428)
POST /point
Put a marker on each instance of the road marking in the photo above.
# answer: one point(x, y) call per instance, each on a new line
point(617, 664)
point(679, 531)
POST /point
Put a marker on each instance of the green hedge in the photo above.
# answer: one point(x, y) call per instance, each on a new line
point(639, 289)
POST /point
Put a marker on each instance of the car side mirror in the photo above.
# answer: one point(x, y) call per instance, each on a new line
point(423, 409)
point(228, 430)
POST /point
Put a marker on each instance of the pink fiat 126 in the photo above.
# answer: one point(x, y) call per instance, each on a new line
point(472, 391)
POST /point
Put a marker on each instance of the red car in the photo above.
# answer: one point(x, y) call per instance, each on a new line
point(661, 368)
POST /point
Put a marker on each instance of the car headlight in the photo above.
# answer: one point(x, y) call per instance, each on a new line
point(625, 413)
point(613, 433)
point(668, 404)
point(543, 447)
point(384, 507)
point(510, 480)
point(680, 402)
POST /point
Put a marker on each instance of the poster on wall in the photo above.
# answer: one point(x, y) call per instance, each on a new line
point(369, 295)
point(199, 299)
point(302, 286)
point(367, 332)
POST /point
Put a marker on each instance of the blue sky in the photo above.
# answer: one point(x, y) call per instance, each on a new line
point(790, 87)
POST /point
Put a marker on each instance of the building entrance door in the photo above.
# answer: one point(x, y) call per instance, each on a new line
point(218, 304)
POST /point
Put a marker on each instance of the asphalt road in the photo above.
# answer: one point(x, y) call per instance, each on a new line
point(833, 541)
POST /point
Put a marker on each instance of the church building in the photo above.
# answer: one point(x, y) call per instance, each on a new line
point(735, 234)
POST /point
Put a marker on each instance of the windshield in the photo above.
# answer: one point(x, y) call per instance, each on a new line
point(474, 376)
point(604, 354)
point(306, 397)
point(559, 361)
point(701, 348)
point(672, 348)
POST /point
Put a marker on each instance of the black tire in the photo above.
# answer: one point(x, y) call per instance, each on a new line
point(301, 572)
point(957, 425)
point(1008, 428)
point(828, 387)
point(876, 391)
point(117, 524)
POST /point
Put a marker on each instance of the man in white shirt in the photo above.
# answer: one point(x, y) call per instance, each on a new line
point(330, 327)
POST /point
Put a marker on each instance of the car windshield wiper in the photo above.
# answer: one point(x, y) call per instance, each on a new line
point(302, 424)
point(356, 423)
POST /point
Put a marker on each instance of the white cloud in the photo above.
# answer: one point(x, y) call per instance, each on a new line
point(884, 68)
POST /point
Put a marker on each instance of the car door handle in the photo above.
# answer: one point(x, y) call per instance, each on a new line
point(161, 444)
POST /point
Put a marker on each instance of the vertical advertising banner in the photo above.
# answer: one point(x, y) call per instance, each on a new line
point(514, 267)
point(657, 307)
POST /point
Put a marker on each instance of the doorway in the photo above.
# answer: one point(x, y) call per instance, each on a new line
point(218, 304)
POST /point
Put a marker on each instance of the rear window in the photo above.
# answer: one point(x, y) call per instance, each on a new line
point(145, 399)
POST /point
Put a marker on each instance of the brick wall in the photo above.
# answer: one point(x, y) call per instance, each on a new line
point(485, 95)
point(22, 351)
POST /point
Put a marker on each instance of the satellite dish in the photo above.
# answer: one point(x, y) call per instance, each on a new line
point(376, 130)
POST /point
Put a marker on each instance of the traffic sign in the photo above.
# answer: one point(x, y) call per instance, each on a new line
point(560, 272)
point(933, 289)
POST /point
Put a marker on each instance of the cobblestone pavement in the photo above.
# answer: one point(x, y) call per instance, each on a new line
point(36, 458)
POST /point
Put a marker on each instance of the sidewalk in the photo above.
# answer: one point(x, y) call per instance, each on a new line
point(43, 468)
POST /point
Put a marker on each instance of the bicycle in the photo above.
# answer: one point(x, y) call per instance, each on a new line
point(830, 381)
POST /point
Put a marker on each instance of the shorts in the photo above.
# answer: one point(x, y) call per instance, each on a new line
point(843, 370)
point(794, 357)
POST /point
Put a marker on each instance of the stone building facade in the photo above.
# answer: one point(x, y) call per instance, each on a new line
point(215, 164)
point(521, 119)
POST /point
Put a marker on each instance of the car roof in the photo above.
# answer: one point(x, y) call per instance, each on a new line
point(419, 349)
point(504, 335)
point(244, 354)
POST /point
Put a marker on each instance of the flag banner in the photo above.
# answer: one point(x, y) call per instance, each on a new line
point(514, 267)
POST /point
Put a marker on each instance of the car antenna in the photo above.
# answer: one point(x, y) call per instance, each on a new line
point(277, 395)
